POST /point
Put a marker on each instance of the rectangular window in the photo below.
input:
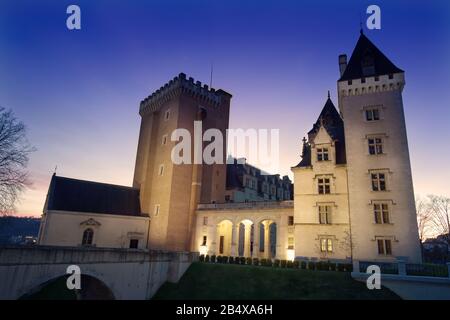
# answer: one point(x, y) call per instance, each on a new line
point(324, 185)
point(164, 140)
point(227, 198)
point(372, 114)
point(134, 243)
point(221, 244)
point(156, 212)
point(322, 154)
point(290, 220)
point(381, 212)
point(378, 182)
point(205, 238)
point(161, 169)
point(326, 245)
point(291, 243)
point(205, 221)
point(375, 146)
point(325, 214)
point(384, 246)
point(167, 115)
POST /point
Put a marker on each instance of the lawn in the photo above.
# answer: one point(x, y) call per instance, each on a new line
point(225, 281)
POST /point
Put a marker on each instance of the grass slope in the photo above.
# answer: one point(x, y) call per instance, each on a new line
point(223, 281)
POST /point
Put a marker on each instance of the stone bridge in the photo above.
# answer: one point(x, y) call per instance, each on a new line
point(122, 273)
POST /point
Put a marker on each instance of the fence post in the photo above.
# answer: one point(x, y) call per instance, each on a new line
point(356, 266)
point(448, 267)
point(401, 266)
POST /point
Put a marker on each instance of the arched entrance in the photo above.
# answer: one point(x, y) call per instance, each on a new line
point(56, 289)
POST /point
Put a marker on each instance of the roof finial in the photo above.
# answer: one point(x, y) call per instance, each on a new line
point(304, 140)
point(328, 94)
point(361, 31)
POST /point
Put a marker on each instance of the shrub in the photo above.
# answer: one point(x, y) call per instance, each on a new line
point(348, 267)
point(255, 261)
point(320, 265)
point(303, 265)
point(225, 259)
point(248, 261)
point(207, 258)
point(283, 263)
point(237, 260)
point(242, 260)
point(264, 262)
point(276, 263)
point(290, 264)
point(296, 264)
point(231, 260)
point(332, 266)
point(219, 259)
point(213, 258)
point(201, 258)
point(312, 265)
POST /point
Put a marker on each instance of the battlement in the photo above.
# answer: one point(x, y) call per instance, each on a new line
point(180, 84)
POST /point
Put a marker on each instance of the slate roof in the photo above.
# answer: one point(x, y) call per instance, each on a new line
point(367, 61)
point(334, 125)
point(74, 195)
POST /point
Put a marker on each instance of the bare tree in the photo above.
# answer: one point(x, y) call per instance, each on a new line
point(440, 221)
point(14, 152)
point(424, 219)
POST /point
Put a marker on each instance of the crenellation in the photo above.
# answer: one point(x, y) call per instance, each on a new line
point(180, 84)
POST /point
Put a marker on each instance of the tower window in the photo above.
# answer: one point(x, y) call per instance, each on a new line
point(325, 214)
point(326, 245)
point(324, 185)
point(381, 212)
point(291, 243)
point(384, 246)
point(167, 115)
point(322, 154)
point(205, 239)
point(156, 212)
point(375, 146)
point(134, 243)
point(290, 220)
point(372, 114)
point(161, 169)
point(88, 236)
point(164, 140)
point(378, 181)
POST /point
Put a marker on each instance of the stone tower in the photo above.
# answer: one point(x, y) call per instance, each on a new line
point(381, 197)
point(170, 192)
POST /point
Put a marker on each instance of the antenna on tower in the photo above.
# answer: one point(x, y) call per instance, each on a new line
point(211, 76)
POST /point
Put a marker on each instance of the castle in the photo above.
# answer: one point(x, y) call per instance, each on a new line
point(352, 198)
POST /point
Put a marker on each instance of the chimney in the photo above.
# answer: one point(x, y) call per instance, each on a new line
point(342, 63)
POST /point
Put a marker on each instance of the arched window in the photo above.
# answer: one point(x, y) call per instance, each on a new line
point(88, 235)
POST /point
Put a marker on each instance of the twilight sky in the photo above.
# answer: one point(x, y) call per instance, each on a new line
point(78, 92)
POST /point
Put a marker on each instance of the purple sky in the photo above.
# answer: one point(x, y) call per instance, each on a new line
point(78, 92)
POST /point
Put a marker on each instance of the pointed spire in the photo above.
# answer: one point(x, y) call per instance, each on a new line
point(328, 94)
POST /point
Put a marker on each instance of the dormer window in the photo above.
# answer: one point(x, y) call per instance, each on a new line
point(322, 154)
point(367, 64)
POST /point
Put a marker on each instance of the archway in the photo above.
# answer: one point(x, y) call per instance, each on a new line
point(56, 289)
point(267, 239)
point(245, 238)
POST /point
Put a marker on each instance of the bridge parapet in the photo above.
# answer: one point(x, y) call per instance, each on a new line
point(129, 273)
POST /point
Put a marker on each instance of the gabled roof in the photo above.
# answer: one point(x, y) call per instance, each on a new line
point(330, 119)
point(74, 195)
point(367, 61)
